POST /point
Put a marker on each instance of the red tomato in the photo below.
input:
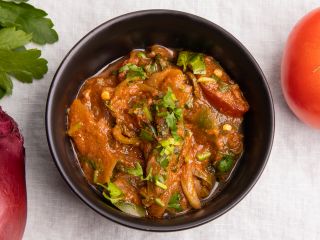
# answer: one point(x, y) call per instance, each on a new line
point(300, 70)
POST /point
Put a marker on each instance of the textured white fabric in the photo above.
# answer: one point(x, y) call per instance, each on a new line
point(285, 203)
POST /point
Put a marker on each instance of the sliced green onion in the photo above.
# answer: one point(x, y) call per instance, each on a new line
point(149, 177)
point(203, 156)
point(159, 202)
point(136, 171)
point(160, 185)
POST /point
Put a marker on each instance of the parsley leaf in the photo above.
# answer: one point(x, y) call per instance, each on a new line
point(171, 122)
point(10, 38)
point(133, 71)
point(197, 64)
point(25, 17)
point(174, 202)
point(5, 84)
point(167, 146)
point(21, 23)
point(183, 59)
point(24, 65)
point(169, 100)
point(194, 61)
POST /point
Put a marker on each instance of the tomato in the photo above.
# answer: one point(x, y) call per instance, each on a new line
point(300, 70)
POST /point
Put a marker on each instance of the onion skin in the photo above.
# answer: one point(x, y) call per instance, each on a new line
point(13, 196)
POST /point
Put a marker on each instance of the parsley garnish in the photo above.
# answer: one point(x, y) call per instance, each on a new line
point(169, 100)
point(172, 113)
point(194, 61)
point(133, 72)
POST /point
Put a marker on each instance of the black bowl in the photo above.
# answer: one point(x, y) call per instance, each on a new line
point(174, 29)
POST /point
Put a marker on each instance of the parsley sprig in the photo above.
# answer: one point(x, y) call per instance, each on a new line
point(21, 23)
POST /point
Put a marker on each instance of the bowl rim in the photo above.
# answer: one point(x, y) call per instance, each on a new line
point(119, 219)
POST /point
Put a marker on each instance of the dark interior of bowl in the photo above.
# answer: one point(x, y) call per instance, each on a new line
point(119, 36)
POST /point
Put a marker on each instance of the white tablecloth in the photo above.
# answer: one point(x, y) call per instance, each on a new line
point(285, 203)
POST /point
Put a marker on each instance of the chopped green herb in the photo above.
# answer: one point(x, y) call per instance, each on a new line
point(167, 146)
point(136, 171)
point(146, 135)
point(163, 161)
point(171, 121)
point(197, 64)
point(174, 202)
point(161, 185)
point(159, 202)
point(159, 181)
point(194, 61)
point(112, 200)
point(183, 59)
point(113, 189)
point(114, 193)
point(203, 156)
point(169, 100)
point(149, 177)
point(226, 163)
point(133, 71)
point(178, 113)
